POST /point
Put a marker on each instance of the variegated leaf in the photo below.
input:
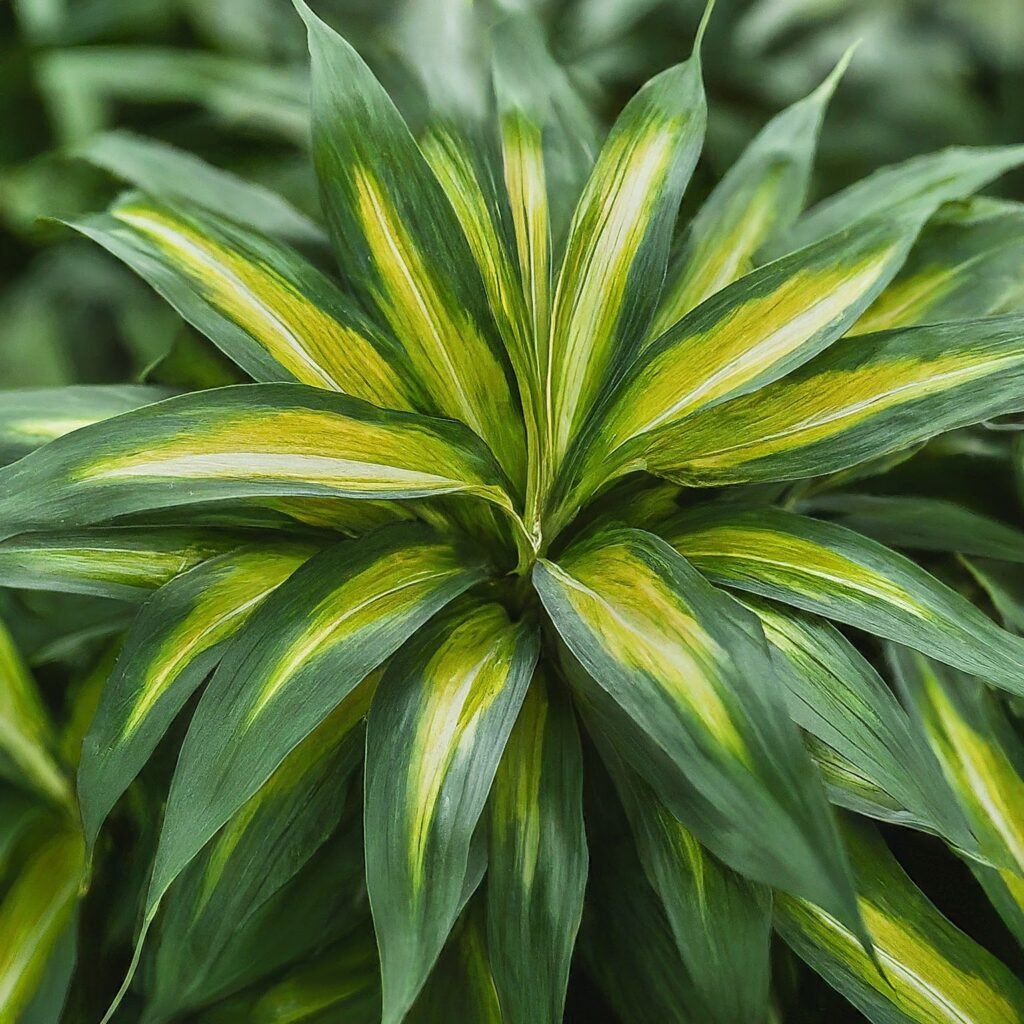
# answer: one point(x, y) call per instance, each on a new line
point(32, 416)
point(260, 440)
point(170, 649)
point(261, 303)
point(983, 761)
point(834, 572)
point(688, 666)
point(401, 246)
point(761, 195)
point(934, 973)
point(122, 562)
point(537, 859)
point(452, 697)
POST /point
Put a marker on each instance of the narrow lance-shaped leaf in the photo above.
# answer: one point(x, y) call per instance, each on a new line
point(967, 263)
point(721, 922)
point(934, 973)
point(261, 303)
point(26, 736)
point(935, 178)
point(452, 697)
point(303, 652)
point(253, 858)
point(124, 563)
point(834, 572)
point(619, 242)
point(537, 861)
point(171, 647)
point(762, 193)
point(691, 669)
point(834, 694)
point(865, 397)
point(32, 416)
point(171, 173)
point(260, 440)
point(983, 761)
point(401, 247)
point(34, 912)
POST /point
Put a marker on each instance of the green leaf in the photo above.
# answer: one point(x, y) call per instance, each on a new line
point(865, 397)
point(537, 860)
point(34, 912)
point(170, 649)
point(261, 303)
point(618, 246)
point(32, 416)
point(452, 698)
point(834, 572)
point(933, 971)
point(761, 195)
point(933, 179)
point(922, 524)
point(966, 263)
point(686, 664)
point(401, 247)
point(123, 562)
point(834, 694)
point(171, 173)
point(257, 440)
point(983, 761)
point(720, 921)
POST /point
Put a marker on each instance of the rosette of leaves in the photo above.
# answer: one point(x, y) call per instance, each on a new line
point(525, 487)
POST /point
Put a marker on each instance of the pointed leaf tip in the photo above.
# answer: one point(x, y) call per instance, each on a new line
point(705, 20)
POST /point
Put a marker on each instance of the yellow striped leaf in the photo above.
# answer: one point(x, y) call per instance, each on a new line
point(763, 192)
point(865, 397)
point(122, 562)
point(32, 416)
point(983, 761)
point(934, 973)
point(685, 664)
point(834, 572)
point(34, 912)
point(262, 440)
point(967, 263)
point(261, 303)
point(402, 248)
point(170, 649)
point(619, 242)
point(26, 735)
point(452, 698)
point(537, 859)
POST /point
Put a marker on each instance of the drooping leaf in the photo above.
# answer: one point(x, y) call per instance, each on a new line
point(125, 563)
point(32, 416)
point(834, 572)
point(171, 647)
point(618, 244)
point(865, 397)
point(983, 761)
point(933, 971)
point(834, 694)
point(401, 247)
point(452, 697)
point(171, 173)
point(258, 440)
point(261, 303)
point(720, 921)
point(537, 859)
point(966, 263)
point(761, 195)
point(691, 669)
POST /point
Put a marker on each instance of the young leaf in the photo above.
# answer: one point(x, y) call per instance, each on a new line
point(452, 697)
point(834, 572)
point(689, 666)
